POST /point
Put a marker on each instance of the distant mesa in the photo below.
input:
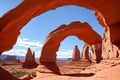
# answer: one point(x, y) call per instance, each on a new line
point(11, 58)
point(76, 54)
point(30, 60)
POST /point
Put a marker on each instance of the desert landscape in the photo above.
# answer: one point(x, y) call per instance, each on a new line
point(98, 60)
point(70, 70)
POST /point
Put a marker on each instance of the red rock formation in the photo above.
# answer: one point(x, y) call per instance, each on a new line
point(96, 52)
point(76, 54)
point(29, 60)
point(81, 30)
point(5, 75)
point(13, 21)
point(26, 77)
point(85, 52)
point(109, 50)
point(48, 67)
point(107, 15)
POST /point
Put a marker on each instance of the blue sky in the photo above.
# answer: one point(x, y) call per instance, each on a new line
point(35, 32)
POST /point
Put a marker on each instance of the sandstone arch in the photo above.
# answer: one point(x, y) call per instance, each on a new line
point(81, 30)
point(12, 22)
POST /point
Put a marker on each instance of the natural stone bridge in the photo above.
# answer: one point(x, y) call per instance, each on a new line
point(82, 31)
point(107, 13)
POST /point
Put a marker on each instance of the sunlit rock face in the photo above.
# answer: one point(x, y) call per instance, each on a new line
point(76, 54)
point(109, 50)
point(29, 60)
point(96, 52)
point(85, 53)
point(81, 30)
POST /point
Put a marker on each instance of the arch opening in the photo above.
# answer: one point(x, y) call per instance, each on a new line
point(66, 47)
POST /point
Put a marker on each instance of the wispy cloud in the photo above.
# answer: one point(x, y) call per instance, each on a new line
point(21, 47)
point(64, 53)
point(25, 43)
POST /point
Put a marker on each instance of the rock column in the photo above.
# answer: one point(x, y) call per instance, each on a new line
point(76, 54)
point(29, 60)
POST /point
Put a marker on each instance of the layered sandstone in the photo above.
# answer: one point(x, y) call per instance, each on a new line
point(29, 60)
point(109, 50)
point(76, 54)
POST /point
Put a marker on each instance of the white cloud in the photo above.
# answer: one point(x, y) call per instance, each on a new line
point(16, 52)
point(64, 54)
point(21, 47)
point(27, 43)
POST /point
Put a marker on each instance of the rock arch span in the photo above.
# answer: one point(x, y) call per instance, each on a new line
point(13, 21)
point(81, 30)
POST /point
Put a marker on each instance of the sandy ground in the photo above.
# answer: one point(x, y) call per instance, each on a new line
point(106, 70)
point(81, 70)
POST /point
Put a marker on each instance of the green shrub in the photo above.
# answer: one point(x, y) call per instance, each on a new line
point(19, 74)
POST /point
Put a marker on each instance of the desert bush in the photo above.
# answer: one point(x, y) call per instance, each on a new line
point(19, 74)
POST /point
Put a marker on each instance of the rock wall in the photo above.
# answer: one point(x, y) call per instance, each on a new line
point(96, 52)
point(76, 54)
point(29, 60)
point(109, 50)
